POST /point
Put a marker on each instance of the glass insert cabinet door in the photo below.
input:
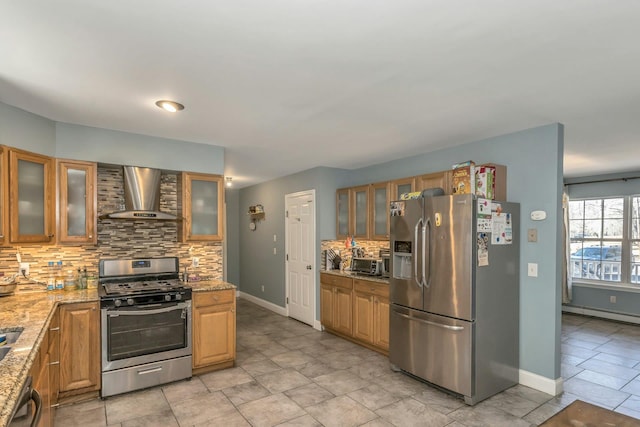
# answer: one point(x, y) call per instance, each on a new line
point(32, 196)
point(380, 211)
point(360, 206)
point(202, 203)
point(77, 201)
point(342, 214)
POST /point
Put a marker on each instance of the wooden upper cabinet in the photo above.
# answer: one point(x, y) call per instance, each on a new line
point(434, 180)
point(379, 210)
point(77, 201)
point(4, 195)
point(401, 186)
point(32, 197)
point(359, 211)
point(342, 214)
point(352, 212)
point(201, 204)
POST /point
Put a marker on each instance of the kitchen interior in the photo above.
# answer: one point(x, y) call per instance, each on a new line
point(203, 268)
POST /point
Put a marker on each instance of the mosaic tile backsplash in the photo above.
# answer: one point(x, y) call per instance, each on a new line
point(121, 238)
point(371, 249)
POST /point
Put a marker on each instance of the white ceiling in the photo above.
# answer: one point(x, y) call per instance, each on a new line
point(286, 85)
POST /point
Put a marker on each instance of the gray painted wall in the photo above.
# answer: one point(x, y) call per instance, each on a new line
point(21, 129)
point(628, 301)
point(258, 265)
point(534, 161)
point(124, 148)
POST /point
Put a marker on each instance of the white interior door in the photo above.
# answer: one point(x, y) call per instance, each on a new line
point(300, 233)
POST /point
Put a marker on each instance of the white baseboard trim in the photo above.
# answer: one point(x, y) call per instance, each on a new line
point(273, 307)
point(602, 314)
point(282, 311)
point(540, 383)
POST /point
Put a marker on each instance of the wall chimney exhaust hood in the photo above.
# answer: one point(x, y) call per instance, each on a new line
point(141, 195)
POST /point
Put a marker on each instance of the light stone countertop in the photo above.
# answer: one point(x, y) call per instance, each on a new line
point(347, 273)
point(210, 285)
point(31, 311)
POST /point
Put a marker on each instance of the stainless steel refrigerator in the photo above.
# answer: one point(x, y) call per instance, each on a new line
point(454, 291)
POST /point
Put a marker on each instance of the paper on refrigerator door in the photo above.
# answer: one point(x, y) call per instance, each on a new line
point(483, 249)
point(483, 218)
point(501, 226)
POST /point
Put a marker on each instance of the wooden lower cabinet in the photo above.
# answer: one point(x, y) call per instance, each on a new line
point(41, 383)
point(79, 348)
point(336, 303)
point(54, 357)
point(357, 309)
point(363, 316)
point(381, 322)
point(214, 330)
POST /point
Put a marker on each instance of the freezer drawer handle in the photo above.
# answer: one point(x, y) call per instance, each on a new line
point(440, 325)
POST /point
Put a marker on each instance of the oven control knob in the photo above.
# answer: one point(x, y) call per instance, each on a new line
point(117, 303)
point(130, 301)
point(167, 297)
point(178, 296)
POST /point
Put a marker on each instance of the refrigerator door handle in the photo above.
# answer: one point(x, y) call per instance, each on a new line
point(416, 257)
point(426, 279)
point(440, 325)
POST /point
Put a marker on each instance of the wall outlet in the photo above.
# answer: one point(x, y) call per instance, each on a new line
point(262, 288)
point(24, 269)
point(195, 261)
point(274, 251)
point(532, 235)
point(532, 269)
point(274, 238)
point(612, 299)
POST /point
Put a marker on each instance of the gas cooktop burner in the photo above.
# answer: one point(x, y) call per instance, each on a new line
point(141, 286)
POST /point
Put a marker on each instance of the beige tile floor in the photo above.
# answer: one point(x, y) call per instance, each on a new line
point(288, 374)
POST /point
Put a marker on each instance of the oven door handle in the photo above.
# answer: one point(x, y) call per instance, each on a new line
point(141, 312)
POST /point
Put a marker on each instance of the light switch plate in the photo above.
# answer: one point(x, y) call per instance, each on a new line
point(532, 235)
point(532, 269)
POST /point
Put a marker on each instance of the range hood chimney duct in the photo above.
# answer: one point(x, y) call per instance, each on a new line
point(141, 195)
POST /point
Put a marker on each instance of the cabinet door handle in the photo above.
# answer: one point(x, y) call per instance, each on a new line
point(54, 329)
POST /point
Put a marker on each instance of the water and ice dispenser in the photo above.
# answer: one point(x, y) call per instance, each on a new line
point(402, 253)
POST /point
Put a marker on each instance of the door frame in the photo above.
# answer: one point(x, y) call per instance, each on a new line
point(312, 194)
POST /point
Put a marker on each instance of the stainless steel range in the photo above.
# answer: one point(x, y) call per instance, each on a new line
point(145, 324)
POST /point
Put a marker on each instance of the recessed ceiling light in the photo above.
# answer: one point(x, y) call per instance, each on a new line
point(170, 106)
point(229, 183)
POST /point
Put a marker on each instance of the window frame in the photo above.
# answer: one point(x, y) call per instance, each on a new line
point(626, 243)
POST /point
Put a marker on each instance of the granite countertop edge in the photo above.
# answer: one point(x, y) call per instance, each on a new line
point(353, 275)
point(210, 285)
point(31, 311)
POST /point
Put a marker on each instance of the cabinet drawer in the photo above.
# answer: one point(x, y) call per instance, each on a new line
point(375, 288)
point(334, 280)
point(203, 299)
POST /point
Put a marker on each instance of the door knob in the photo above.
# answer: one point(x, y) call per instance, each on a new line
point(309, 267)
